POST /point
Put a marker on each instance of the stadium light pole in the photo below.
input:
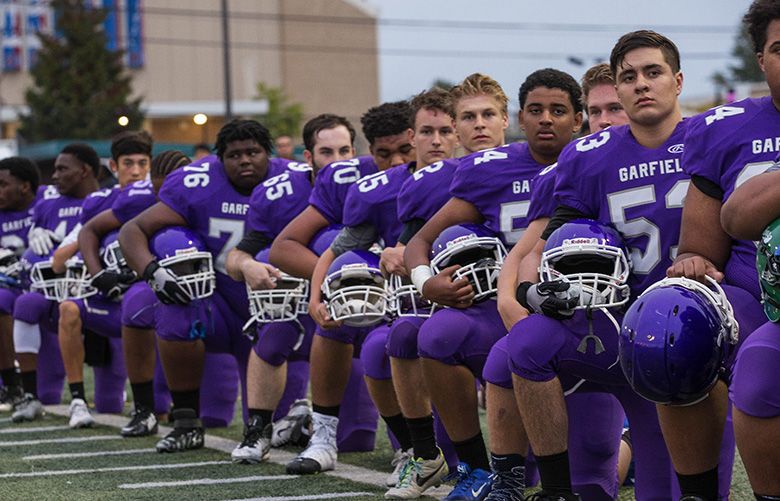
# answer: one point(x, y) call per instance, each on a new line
point(226, 62)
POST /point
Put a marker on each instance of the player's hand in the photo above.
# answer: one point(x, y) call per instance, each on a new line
point(511, 311)
point(391, 262)
point(42, 241)
point(319, 313)
point(445, 290)
point(109, 283)
point(555, 299)
point(260, 276)
point(694, 267)
point(165, 284)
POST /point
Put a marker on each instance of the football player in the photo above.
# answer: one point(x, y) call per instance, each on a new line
point(19, 181)
point(54, 216)
point(490, 187)
point(211, 199)
point(328, 138)
point(386, 129)
point(724, 147)
point(130, 160)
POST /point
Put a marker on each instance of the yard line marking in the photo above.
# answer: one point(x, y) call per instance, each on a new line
point(35, 429)
point(148, 450)
point(206, 481)
point(333, 495)
point(115, 468)
point(69, 440)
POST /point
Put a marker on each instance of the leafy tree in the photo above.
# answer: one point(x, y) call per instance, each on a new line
point(443, 84)
point(80, 88)
point(283, 118)
point(746, 69)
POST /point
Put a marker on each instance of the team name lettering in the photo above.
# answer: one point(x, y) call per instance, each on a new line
point(133, 192)
point(19, 224)
point(649, 169)
point(69, 212)
point(767, 145)
point(523, 186)
point(233, 208)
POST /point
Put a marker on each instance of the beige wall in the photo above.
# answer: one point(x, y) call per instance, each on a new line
point(183, 59)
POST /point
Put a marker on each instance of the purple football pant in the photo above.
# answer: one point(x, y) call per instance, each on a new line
point(462, 337)
point(138, 306)
point(33, 308)
point(402, 339)
point(373, 354)
point(7, 300)
point(755, 388)
point(276, 341)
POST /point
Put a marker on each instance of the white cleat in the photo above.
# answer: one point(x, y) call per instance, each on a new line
point(79, 414)
point(322, 452)
point(400, 458)
point(29, 409)
point(417, 476)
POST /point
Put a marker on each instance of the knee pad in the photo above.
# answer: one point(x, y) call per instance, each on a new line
point(27, 337)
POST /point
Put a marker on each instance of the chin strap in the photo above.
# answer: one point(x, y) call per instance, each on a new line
point(598, 345)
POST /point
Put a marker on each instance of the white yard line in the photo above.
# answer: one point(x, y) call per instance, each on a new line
point(334, 495)
point(170, 466)
point(67, 440)
point(36, 429)
point(206, 481)
point(70, 455)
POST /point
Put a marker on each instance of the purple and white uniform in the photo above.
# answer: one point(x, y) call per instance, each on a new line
point(426, 191)
point(333, 182)
point(14, 226)
point(498, 183)
point(727, 146)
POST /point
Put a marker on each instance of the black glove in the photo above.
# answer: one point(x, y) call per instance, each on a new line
point(553, 299)
point(165, 284)
point(108, 283)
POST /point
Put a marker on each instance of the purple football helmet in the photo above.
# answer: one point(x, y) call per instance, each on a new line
point(406, 301)
point(39, 276)
point(283, 303)
point(673, 340)
point(355, 290)
point(477, 250)
point(591, 256)
point(183, 252)
point(76, 284)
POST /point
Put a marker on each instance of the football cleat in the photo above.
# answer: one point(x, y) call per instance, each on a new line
point(322, 451)
point(79, 414)
point(400, 458)
point(294, 428)
point(472, 485)
point(417, 476)
point(508, 485)
point(256, 446)
point(142, 423)
point(9, 397)
point(29, 409)
point(187, 433)
point(544, 496)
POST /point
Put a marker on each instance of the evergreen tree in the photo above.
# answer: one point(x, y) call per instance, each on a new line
point(283, 118)
point(746, 68)
point(80, 88)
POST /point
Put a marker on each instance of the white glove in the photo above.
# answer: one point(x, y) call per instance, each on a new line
point(42, 241)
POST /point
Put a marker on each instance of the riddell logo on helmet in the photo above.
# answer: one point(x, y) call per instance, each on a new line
point(464, 238)
point(189, 250)
point(354, 266)
point(583, 241)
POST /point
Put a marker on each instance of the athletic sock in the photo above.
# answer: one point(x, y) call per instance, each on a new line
point(30, 382)
point(186, 400)
point(328, 411)
point(143, 395)
point(473, 452)
point(77, 391)
point(704, 485)
point(397, 425)
point(505, 462)
point(265, 416)
point(554, 472)
point(423, 437)
point(10, 378)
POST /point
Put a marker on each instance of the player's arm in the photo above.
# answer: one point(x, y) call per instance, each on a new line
point(512, 311)
point(704, 246)
point(289, 251)
point(242, 267)
point(440, 288)
point(752, 206)
point(64, 252)
point(89, 239)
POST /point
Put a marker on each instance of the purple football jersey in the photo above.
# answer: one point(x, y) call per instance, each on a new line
point(426, 191)
point(281, 164)
point(14, 226)
point(727, 146)
point(498, 183)
point(333, 182)
point(277, 201)
point(610, 177)
point(56, 212)
point(374, 200)
point(98, 201)
point(133, 200)
point(542, 194)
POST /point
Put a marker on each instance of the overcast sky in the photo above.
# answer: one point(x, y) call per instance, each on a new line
point(422, 40)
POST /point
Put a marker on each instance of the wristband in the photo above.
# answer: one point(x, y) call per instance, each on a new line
point(420, 275)
point(148, 273)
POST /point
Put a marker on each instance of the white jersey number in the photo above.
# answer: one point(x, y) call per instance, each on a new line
point(199, 176)
point(235, 230)
point(509, 212)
